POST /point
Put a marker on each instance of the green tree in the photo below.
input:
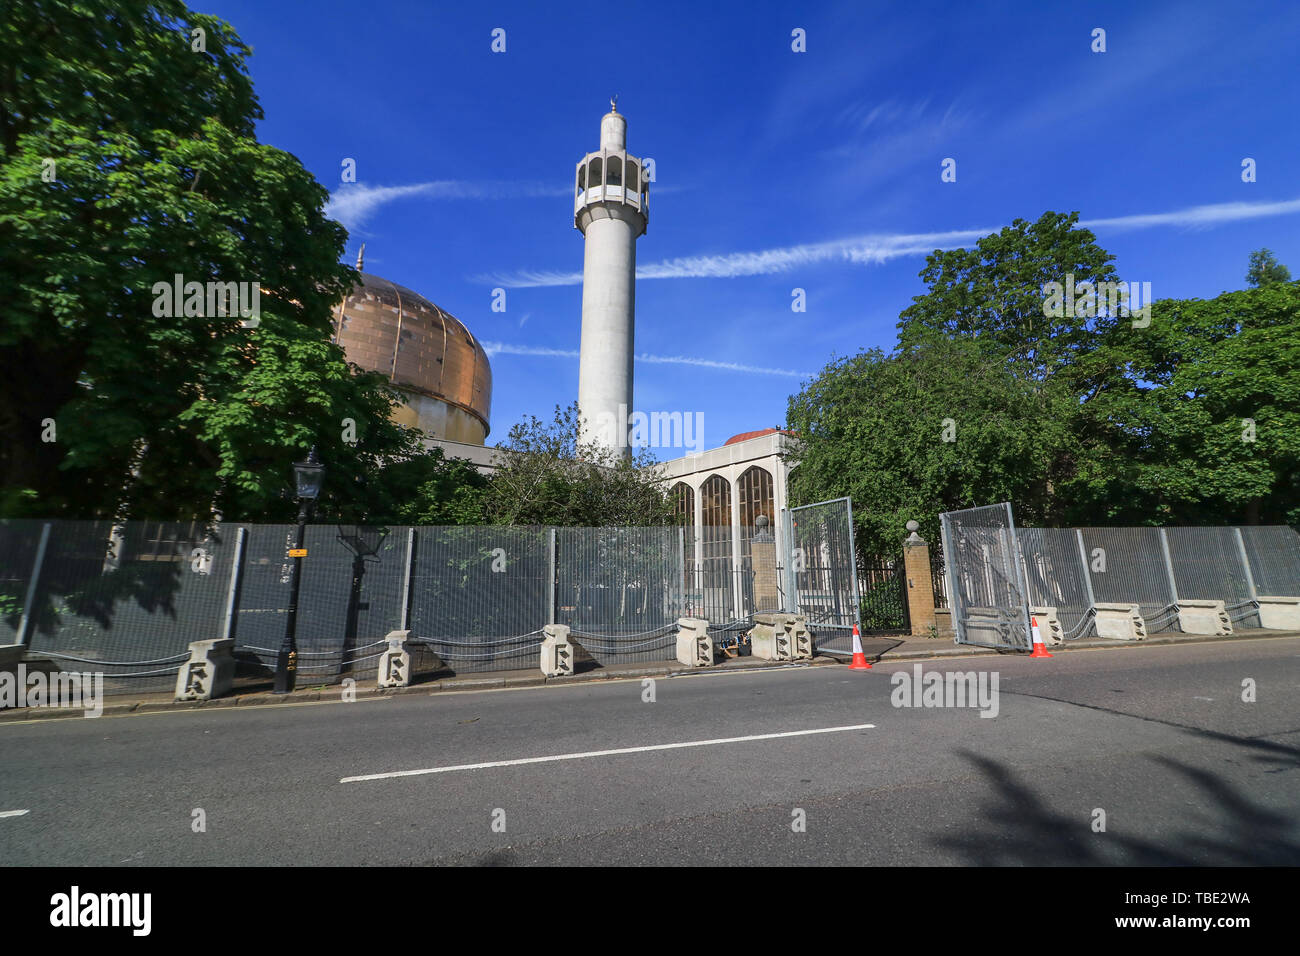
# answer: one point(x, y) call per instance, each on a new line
point(994, 295)
point(127, 158)
point(1205, 427)
point(995, 298)
point(551, 476)
point(1265, 269)
point(934, 427)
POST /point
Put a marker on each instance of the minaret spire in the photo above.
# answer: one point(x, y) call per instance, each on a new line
point(361, 257)
point(610, 207)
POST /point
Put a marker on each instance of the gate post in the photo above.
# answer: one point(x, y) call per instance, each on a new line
point(920, 583)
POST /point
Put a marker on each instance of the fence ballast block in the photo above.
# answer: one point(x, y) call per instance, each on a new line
point(996, 626)
point(1279, 613)
point(402, 659)
point(1120, 622)
point(1203, 617)
point(557, 652)
point(781, 637)
point(1049, 625)
point(209, 672)
point(694, 646)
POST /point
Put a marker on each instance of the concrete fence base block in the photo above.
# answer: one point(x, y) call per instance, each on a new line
point(210, 671)
point(403, 659)
point(1049, 625)
point(943, 622)
point(1279, 613)
point(1120, 622)
point(557, 655)
point(994, 626)
point(781, 637)
point(1203, 617)
point(694, 646)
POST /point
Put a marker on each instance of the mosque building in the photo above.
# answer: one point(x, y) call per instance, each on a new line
point(444, 376)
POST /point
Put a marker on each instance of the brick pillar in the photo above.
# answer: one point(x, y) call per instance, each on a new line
point(763, 560)
point(920, 586)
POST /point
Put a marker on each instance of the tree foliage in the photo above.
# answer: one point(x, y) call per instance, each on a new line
point(1265, 269)
point(157, 172)
point(550, 475)
point(1105, 418)
point(928, 429)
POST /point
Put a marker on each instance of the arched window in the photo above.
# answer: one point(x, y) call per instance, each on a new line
point(715, 502)
point(582, 178)
point(715, 535)
point(633, 179)
point(615, 172)
point(684, 503)
point(593, 177)
point(754, 488)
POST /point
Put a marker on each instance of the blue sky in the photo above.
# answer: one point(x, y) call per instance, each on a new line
point(774, 169)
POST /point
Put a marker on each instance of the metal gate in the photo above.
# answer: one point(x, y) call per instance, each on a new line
point(986, 583)
point(821, 580)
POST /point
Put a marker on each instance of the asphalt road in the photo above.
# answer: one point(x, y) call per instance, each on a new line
point(1158, 738)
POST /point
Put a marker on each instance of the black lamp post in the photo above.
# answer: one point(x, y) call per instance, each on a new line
point(308, 476)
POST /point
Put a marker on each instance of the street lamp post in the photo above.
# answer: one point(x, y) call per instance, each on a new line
point(308, 476)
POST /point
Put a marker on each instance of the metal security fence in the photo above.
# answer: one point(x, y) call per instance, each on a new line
point(480, 596)
point(821, 580)
point(1075, 569)
point(1056, 575)
point(622, 591)
point(1207, 564)
point(1272, 556)
point(127, 601)
point(986, 586)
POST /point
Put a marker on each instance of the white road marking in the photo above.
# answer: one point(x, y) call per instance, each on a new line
point(13, 813)
point(1202, 698)
point(604, 753)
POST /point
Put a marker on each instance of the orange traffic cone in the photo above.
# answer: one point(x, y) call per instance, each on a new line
point(859, 659)
point(1040, 649)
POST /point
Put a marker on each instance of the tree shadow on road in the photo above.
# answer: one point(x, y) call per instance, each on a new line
point(1226, 828)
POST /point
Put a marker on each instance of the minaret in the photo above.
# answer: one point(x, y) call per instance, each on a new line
point(611, 209)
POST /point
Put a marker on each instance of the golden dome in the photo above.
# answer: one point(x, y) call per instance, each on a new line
point(428, 353)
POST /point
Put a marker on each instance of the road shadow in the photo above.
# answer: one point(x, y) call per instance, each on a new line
point(1022, 830)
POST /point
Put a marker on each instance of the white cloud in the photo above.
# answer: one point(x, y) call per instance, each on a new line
point(352, 204)
point(506, 348)
point(875, 249)
point(1209, 215)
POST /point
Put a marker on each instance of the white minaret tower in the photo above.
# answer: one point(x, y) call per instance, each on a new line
point(611, 208)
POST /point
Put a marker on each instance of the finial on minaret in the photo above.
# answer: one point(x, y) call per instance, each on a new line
point(361, 256)
point(613, 103)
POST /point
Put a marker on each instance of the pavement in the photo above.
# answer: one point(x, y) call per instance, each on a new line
point(877, 648)
point(1179, 752)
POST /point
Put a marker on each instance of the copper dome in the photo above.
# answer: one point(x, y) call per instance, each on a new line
point(428, 353)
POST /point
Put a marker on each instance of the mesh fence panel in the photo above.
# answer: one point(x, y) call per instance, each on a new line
point(989, 605)
point(481, 596)
point(622, 591)
point(1207, 566)
point(1127, 566)
point(823, 572)
point(129, 604)
point(1274, 555)
point(1055, 576)
point(19, 542)
point(347, 602)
